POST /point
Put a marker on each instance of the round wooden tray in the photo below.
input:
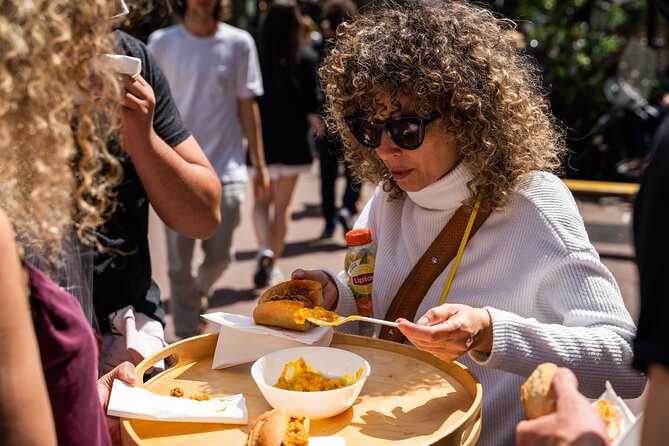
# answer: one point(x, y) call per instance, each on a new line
point(410, 398)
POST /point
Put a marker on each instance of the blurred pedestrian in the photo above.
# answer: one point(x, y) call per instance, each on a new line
point(651, 239)
point(288, 106)
point(212, 69)
point(328, 145)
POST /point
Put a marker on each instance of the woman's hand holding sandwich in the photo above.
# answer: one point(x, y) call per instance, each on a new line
point(330, 293)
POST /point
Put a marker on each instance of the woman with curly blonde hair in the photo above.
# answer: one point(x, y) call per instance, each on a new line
point(56, 179)
point(436, 107)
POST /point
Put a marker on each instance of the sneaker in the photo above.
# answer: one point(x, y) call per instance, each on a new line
point(327, 233)
point(264, 260)
point(346, 219)
point(275, 277)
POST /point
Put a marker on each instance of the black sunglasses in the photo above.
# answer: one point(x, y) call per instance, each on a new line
point(407, 132)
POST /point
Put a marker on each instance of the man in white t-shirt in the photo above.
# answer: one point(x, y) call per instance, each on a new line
point(215, 77)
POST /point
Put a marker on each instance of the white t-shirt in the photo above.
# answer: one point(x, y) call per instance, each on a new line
point(208, 75)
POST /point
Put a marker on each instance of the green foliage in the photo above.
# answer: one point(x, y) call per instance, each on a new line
point(576, 43)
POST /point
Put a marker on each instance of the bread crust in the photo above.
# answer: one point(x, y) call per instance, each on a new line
point(277, 428)
point(279, 313)
point(277, 304)
point(268, 429)
point(310, 289)
point(535, 392)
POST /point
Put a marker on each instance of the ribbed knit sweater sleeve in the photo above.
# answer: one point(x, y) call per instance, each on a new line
point(577, 317)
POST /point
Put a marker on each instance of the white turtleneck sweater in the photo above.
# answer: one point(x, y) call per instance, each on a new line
point(532, 267)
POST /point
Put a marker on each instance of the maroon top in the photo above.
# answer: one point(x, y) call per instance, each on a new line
point(69, 359)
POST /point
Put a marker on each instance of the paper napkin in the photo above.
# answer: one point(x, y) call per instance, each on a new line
point(131, 66)
point(137, 334)
point(240, 340)
point(627, 417)
point(134, 402)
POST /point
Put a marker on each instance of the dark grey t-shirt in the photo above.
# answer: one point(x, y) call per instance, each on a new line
point(123, 267)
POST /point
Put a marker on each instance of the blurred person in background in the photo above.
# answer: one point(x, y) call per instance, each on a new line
point(213, 71)
point(57, 179)
point(289, 104)
point(328, 145)
point(449, 121)
point(651, 346)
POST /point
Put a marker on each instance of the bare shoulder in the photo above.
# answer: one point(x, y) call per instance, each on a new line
point(7, 237)
point(11, 274)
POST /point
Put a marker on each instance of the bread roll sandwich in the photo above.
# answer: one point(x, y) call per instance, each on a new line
point(277, 304)
point(535, 392)
point(277, 428)
point(538, 401)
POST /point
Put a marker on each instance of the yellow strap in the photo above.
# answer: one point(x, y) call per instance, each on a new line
point(461, 249)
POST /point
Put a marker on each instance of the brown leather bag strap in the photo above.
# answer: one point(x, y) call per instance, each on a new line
point(440, 253)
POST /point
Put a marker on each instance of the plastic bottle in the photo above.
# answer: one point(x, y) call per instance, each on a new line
point(359, 268)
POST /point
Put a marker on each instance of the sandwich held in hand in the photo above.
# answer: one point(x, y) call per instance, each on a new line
point(535, 392)
point(539, 401)
point(278, 304)
point(278, 428)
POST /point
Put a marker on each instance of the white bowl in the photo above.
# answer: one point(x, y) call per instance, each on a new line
point(333, 362)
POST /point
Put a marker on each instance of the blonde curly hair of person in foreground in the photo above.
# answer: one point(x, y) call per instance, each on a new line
point(57, 174)
point(455, 59)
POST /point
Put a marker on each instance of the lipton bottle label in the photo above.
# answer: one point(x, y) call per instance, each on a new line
point(359, 268)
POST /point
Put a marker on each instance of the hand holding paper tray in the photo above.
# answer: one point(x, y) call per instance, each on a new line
point(134, 402)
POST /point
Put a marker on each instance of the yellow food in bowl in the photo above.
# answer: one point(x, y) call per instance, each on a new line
point(300, 377)
point(319, 313)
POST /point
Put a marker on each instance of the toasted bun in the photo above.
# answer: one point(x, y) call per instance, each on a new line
point(309, 289)
point(276, 428)
point(277, 304)
point(268, 429)
point(535, 392)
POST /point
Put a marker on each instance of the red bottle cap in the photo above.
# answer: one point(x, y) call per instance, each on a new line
point(357, 237)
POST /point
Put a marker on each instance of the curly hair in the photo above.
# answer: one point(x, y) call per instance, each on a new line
point(455, 59)
point(57, 174)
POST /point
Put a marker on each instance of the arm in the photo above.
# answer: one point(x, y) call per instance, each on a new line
point(179, 181)
point(25, 411)
point(574, 423)
point(562, 306)
point(126, 373)
point(591, 332)
point(337, 296)
point(655, 428)
point(249, 116)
